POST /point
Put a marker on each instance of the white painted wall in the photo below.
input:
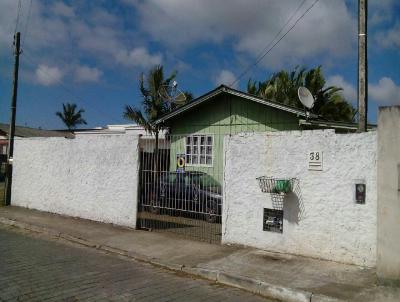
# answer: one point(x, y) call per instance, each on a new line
point(323, 221)
point(388, 252)
point(93, 176)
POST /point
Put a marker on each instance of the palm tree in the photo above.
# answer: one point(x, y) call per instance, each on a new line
point(328, 102)
point(70, 117)
point(282, 87)
point(153, 105)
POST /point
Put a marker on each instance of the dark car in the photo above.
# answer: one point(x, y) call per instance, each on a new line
point(191, 192)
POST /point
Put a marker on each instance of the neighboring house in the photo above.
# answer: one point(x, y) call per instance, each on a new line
point(22, 132)
point(27, 132)
point(198, 128)
point(147, 142)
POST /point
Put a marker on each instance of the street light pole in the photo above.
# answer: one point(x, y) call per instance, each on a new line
point(11, 133)
point(362, 66)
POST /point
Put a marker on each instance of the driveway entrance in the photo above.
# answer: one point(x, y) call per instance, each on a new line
point(181, 192)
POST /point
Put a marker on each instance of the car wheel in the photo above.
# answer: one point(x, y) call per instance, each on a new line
point(211, 215)
point(163, 190)
point(153, 205)
point(195, 193)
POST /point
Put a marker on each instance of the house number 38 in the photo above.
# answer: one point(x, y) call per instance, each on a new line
point(314, 156)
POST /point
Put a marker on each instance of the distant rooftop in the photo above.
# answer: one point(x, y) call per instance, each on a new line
point(21, 131)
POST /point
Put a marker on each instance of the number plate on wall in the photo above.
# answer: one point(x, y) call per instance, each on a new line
point(315, 162)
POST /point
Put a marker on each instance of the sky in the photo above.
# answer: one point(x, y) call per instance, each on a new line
point(92, 52)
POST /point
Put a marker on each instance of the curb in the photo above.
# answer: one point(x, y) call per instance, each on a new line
point(249, 284)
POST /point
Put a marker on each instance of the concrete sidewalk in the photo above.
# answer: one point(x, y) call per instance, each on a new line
point(280, 276)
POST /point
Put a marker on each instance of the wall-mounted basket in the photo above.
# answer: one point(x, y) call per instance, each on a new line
point(277, 187)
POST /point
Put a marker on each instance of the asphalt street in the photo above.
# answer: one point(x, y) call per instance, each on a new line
point(33, 268)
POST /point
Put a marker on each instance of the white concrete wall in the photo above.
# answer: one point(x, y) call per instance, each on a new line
point(388, 262)
point(322, 220)
point(93, 176)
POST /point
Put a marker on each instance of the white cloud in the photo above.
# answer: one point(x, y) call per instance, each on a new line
point(386, 91)
point(87, 74)
point(349, 91)
point(378, 18)
point(226, 77)
point(389, 38)
point(56, 30)
point(328, 29)
point(8, 12)
point(61, 9)
point(101, 16)
point(47, 76)
point(139, 57)
point(381, 11)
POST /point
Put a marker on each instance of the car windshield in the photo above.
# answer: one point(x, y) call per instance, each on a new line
point(203, 180)
point(168, 177)
point(189, 178)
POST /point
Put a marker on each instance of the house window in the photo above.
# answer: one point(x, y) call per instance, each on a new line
point(199, 150)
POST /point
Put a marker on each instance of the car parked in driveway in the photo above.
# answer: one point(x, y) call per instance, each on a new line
point(191, 192)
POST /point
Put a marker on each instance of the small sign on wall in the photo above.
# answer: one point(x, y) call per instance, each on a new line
point(315, 160)
point(360, 193)
point(180, 163)
point(273, 220)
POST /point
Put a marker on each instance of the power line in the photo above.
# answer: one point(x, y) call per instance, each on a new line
point(25, 32)
point(69, 91)
point(260, 57)
point(18, 13)
point(282, 28)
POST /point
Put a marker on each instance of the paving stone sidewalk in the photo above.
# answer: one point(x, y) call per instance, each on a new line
point(33, 269)
point(279, 276)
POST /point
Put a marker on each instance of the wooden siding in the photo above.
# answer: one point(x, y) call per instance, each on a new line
point(221, 116)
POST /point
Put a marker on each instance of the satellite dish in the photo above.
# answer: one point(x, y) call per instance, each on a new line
point(172, 94)
point(305, 97)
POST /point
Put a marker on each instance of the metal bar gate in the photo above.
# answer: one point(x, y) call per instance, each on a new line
point(180, 185)
point(3, 162)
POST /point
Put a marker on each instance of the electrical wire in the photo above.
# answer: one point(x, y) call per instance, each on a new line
point(18, 14)
point(262, 56)
point(25, 32)
point(282, 28)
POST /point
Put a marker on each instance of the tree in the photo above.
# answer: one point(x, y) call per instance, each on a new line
point(152, 107)
point(282, 87)
point(70, 117)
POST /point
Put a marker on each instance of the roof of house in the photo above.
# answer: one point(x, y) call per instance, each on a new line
point(323, 124)
point(109, 129)
point(311, 120)
point(33, 132)
point(227, 90)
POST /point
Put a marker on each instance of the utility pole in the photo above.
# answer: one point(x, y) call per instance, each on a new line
point(362, 66)
point(11, 133)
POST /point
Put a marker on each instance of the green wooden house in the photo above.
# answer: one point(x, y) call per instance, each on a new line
point(198, 128)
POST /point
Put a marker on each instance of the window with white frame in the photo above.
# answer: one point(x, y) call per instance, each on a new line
point(199, 150)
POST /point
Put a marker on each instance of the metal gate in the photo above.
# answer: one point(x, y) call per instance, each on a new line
point(3, 163)
point(181, 185)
